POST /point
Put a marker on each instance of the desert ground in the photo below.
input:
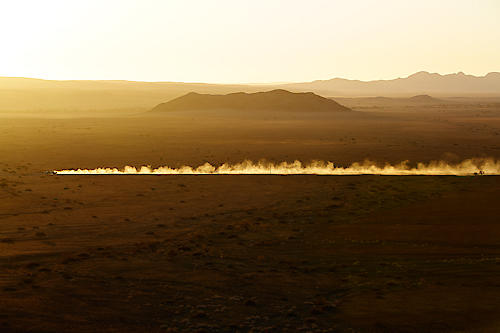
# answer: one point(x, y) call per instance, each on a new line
point(249, 253)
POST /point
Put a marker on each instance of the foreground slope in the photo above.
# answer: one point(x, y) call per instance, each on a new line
point(276, 100)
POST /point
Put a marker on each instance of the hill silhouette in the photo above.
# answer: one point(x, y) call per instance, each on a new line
point(391, 102)
point(276, 100)
point(425, 99)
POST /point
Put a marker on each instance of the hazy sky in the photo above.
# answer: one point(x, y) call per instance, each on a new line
point(247, 41)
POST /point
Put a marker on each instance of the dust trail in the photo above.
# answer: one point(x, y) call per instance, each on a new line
point(487, 166)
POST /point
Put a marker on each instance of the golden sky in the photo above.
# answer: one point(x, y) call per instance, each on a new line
point(247, 41)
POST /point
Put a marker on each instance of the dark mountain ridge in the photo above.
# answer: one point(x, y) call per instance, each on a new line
point(276, 100)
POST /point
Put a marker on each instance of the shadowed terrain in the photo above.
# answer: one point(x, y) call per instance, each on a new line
point(249, 253)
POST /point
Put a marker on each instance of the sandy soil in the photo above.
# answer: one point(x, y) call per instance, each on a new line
point(243, 253)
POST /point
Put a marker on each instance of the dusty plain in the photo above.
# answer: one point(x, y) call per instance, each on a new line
point(249, 253)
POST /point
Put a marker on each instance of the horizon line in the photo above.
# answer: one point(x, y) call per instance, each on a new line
point(270, 83)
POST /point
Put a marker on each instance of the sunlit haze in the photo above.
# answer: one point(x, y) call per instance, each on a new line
point(247, 41)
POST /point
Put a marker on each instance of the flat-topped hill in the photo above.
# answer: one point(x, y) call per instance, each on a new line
point(276, 100)
point(426, 99)
point(415, 101)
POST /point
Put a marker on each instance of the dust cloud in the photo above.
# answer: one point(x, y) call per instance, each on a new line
point(486, 166)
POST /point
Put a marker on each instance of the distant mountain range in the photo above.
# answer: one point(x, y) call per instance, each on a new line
point(276, 100)
point(36, 94)
point(421, 83)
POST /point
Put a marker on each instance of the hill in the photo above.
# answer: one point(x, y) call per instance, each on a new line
point(425, 99)
point(276, 100)
point(419, 100)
